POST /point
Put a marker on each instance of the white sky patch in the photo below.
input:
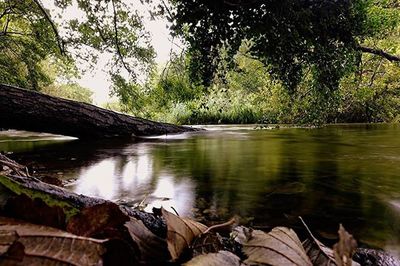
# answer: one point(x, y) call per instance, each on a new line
point(97, 80)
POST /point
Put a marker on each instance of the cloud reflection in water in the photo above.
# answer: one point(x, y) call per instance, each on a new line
point(131, 178)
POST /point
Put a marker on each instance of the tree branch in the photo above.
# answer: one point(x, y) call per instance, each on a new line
point(380, 52)
point(53, 26)
point(3, 33)
point(371, 82)
point(166, 8)
point(5, 12)
point(119, 52)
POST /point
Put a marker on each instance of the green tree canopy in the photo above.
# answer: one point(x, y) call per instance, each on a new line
point(29, 35)
point(291, 36)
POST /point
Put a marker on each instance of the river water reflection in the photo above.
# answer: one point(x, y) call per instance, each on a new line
point(347, 174)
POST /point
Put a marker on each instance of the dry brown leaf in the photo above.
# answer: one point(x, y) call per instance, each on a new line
point(345, 248)
point(10, 247)
point(318, 252)
point(92, 221)
point(49, 246)
point(207, 243)
point(222, 258)
point(281, 246)
point(181, 232)
point(7, 239)
point(152, 248)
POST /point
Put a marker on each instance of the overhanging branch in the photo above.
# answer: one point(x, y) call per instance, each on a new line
point(117, 44)
point(53, 26)
point(380, 52)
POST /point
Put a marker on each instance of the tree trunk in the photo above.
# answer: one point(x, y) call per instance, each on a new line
point(33, 111)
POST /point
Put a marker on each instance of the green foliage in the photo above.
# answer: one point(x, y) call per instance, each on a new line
point(246, 61)
point(289, 36)
point(60, 75)
point(236, 96)
point(30, 36)
point(296, 62)
point(25, 40)
point(174, 82)
point(113, 27)
point(248, 93)
point(382, 18)
point(372, 94)
point(71, 91)
point(130, 96)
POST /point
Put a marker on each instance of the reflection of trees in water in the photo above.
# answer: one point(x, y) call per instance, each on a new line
point(74, 158)
point(337, 194)
point(112, 170)
point(331, 200)
point(275, 180)
point(68, 157)
point(273, 176)
point(230, 175)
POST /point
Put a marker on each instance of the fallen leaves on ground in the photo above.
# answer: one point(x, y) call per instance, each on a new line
point(281, 246)
point(181, 233)
point(151, 247)
point(222, 258)
point(92, 221)
point(45, 245)
point(319, 253)
point(345, 248)
point(23, 243)
point(9, 246)
point(322, 255)
point(207, 243)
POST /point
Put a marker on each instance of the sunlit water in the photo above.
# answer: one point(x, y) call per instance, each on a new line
point(347, 174)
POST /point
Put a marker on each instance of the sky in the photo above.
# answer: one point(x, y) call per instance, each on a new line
point(97, 80)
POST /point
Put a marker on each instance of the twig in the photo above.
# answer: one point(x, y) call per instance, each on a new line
point(14, 166)
point(371, 82)
point(219, 226)
point(308, 229)
point(175, 211)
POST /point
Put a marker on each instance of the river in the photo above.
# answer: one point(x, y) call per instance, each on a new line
point(347, 174)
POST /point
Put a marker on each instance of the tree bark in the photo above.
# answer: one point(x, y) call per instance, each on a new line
point(380, 52)
point(14, 182)
point(29, 110)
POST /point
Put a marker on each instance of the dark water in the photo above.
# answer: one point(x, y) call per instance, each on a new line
point(347, 174)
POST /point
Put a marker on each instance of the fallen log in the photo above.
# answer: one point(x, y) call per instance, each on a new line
point(33, 111)
point(22, 195)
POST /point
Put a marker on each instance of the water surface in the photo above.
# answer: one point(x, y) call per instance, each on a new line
point(347, 174)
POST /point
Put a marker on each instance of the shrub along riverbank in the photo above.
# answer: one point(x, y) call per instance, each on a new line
point(247, 93)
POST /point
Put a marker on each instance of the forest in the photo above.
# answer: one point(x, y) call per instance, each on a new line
point(269, 136)
point(296, 62)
